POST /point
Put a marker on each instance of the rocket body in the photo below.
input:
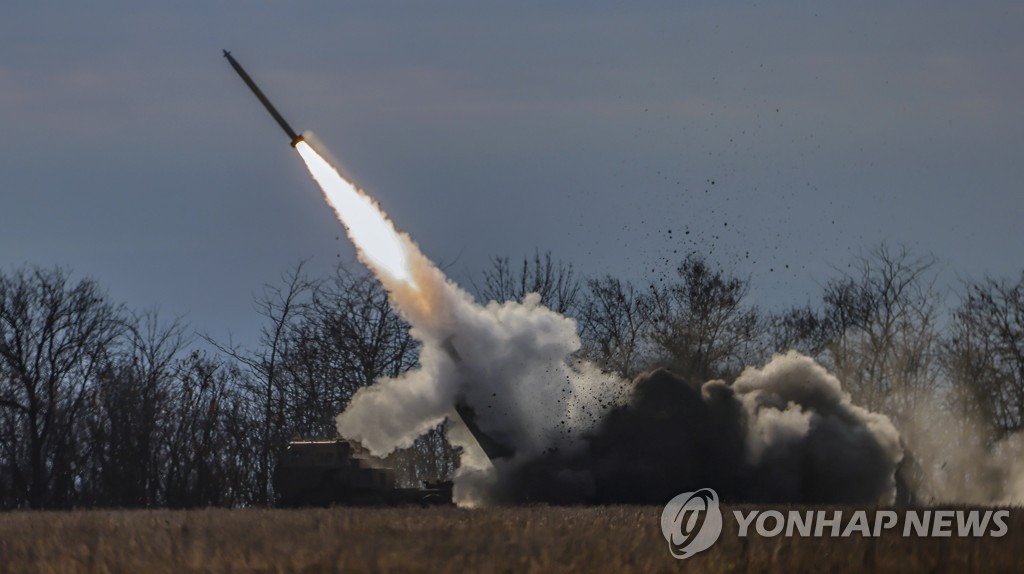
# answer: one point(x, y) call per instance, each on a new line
point(294, 137)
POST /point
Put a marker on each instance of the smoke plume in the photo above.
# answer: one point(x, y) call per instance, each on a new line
point(507, 361)
point(783, 433)
point(955, 459)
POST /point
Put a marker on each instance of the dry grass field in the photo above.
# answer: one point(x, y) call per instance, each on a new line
point(528, 539)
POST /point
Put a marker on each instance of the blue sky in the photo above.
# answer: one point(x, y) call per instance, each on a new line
point(778, 134)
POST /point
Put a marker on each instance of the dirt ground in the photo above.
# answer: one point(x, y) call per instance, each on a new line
point(524, 539)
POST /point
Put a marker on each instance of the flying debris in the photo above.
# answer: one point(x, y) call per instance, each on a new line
point(294, 137)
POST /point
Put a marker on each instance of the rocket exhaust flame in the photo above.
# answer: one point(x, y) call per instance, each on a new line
point(369, 228)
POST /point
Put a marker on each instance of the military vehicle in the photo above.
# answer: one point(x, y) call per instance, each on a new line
point(329, 472)
point(326, 472)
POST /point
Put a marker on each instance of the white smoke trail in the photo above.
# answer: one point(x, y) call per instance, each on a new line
point(513, 366)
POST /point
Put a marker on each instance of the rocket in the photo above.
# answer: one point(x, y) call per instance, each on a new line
point(294, 137)
point(494, 446)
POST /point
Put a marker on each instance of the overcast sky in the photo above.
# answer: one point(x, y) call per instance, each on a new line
point(776, 134)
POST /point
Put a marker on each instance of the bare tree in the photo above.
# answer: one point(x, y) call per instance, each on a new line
point(283, 308)
point(984, 354)
point(207, 450)
point(348, 337)
point(884, 324)
point(804, 329)
point(701, 325)
point(614, 322)
point(56, 336)
point(557, 284)
point(127, 415)
point(100, 407)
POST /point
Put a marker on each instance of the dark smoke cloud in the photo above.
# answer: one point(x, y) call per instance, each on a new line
point(784, 433)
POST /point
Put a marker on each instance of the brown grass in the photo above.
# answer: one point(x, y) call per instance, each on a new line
point(531, 539)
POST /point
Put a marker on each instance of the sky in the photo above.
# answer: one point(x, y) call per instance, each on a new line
point(778, 139)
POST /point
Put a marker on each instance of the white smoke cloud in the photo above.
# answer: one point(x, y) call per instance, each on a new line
point(511, 363)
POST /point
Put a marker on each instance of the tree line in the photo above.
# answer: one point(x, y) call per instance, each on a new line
point(102, 406)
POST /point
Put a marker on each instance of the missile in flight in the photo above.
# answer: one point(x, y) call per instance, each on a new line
point(294, 137)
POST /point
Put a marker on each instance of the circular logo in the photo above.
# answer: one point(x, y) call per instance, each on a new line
point(691, 522)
